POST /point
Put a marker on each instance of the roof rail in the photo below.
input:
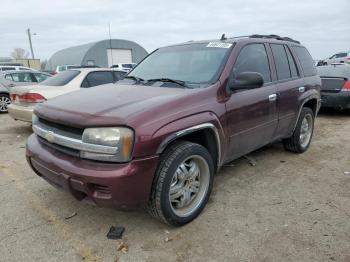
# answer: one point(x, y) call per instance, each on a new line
point(277, 37)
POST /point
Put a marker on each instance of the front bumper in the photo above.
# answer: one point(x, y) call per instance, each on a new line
point(339, 100)
point(18, 112)
point(104, 184)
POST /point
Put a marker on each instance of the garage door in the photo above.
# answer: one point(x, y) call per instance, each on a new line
point(117, 56)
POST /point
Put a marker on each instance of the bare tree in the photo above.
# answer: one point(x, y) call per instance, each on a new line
point(19, 53)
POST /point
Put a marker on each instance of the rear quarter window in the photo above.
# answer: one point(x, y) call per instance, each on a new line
point(306, 61)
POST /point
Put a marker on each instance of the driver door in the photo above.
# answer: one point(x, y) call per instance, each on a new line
point(252, 114)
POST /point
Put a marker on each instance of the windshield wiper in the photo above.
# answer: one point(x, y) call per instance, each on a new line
point(179, 82)
point(137, 79)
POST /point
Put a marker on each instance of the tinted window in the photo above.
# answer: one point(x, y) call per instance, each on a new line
point(127, 65)
point(41, 77)
point(306, 61)
point(119, 75)
point(8, 68)
point(61, 79)
point(281, 62)
point(341, 55)
point(253, 58)
point(23, 68)
point(292, 64)
point(99, 78)
point(21, 77)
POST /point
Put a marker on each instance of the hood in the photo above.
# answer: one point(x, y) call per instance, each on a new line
point(113, 104)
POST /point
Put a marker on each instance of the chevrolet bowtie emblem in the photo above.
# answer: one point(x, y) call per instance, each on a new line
point(50, 136)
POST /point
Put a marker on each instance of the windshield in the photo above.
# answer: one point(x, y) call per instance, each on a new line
point(192, 63)
point(61, 79)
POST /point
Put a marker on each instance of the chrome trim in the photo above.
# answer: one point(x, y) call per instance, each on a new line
point(189, 130)
point(73, 143)
point(272, 97)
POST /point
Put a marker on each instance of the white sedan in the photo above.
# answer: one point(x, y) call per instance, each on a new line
point(25, 98)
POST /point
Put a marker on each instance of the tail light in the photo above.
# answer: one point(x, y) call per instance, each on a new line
point(13, 97)
point(31, 98)
point(346, 86)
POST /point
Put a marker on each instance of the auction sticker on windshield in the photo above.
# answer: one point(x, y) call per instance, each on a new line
point(220, 45)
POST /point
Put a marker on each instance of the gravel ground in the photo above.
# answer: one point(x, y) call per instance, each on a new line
point(287, 207)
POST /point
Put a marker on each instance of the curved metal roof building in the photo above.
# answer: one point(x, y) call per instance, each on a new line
point(103, 53)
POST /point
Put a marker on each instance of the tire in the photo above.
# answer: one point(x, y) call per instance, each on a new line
point(179, 208)
point(4, 102)
point(300, 141)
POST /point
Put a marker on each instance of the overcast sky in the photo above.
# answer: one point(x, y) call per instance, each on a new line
point(321, 25)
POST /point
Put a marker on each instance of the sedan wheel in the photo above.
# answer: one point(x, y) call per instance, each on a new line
point(5, 101)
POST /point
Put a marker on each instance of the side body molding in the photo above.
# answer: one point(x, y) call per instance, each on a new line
point(189, 130)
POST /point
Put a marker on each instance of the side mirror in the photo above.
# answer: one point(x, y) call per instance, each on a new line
point(246, 80)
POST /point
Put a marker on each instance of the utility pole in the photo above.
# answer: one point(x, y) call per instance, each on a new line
point(30, 42)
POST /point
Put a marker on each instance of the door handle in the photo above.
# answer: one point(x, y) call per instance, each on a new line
point(11, 85)
point(301, 89)
point(272, 97)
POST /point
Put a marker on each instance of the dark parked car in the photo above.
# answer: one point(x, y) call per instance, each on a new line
point(335, 90)
point(156, 138)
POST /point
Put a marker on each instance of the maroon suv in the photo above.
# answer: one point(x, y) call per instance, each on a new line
point(156, 138)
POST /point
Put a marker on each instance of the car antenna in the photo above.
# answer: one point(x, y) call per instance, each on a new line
point(223, 37)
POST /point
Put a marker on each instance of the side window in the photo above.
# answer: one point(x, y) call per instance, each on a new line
point(23, 68)
point(8, 68)
point(8, 77)
point(119, 75)
point(253, 58)
point(281, 61)
point(340, 55)
point(22, 77)
point(292, 64)
point(99, 78)
point(306, 61)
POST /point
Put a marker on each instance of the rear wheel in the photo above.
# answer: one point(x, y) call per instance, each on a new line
point(300, 141)
point(5, 101)
point(182, 184)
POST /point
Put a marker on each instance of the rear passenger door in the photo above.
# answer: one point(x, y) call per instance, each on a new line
point(251, 114)
point(289, 87)
point(98, 78)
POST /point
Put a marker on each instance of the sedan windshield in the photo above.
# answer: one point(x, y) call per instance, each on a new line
point(61, 79)
point(190, 63)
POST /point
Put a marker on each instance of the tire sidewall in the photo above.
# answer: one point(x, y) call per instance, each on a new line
point(4, 95)
point(165, 204)
point(305, 111)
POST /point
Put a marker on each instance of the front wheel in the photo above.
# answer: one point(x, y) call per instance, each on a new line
point(300, 141)
point(182, 184)
point(5, 101)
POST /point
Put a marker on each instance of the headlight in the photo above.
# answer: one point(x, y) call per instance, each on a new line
point(119, 138)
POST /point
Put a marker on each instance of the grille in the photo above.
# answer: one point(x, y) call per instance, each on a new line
point(63, 130)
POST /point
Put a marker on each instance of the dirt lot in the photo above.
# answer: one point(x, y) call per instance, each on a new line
point(286, 208)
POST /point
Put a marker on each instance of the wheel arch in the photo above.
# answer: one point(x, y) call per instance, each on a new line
point(312, 102)
point(205, 134)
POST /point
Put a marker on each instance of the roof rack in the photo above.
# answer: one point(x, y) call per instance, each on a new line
point(277, 37)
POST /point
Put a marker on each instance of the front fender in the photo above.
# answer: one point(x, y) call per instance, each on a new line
point(184, 126)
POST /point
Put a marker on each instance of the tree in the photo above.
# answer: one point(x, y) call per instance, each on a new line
point(19, 53)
